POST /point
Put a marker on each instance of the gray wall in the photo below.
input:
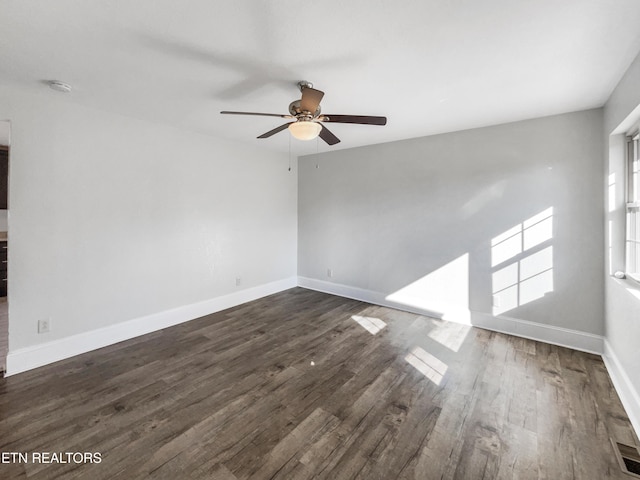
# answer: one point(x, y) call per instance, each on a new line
point(414, 220)
point(622, 296)
point(114, 218)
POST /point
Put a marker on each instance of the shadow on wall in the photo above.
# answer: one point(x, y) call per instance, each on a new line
point(521, 272)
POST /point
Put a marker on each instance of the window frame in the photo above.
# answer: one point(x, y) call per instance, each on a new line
point(632, 206)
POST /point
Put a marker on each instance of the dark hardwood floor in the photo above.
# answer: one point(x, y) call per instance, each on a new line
point(303, 385)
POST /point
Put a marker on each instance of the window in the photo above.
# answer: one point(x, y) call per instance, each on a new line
point(633, 208)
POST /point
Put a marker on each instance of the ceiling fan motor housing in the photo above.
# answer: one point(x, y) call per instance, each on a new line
point(296, 111)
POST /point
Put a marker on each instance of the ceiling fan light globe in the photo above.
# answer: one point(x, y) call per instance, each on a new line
point(305, 130)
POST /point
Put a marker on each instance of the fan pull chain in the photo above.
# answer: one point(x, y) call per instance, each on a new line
point(289, 152)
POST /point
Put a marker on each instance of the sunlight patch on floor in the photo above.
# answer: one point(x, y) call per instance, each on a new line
point(449, 334)
point(427, 364)
point(370, 324)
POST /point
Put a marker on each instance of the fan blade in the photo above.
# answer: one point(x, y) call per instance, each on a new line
point(327, 136)
point(254, 113)
point(275, 130)
point(310, 99)
point(361, 119)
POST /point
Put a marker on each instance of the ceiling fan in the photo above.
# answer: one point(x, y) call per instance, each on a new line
point(309, 121)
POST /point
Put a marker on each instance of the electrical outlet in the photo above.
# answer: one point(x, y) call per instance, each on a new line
point(496, 301)
point(329, 273)
point(44, 326)
point(238, 281)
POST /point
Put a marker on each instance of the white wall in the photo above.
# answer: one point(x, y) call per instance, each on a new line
point(417, 218)
point(622, 296)
point(5, 130)
point(113, 218)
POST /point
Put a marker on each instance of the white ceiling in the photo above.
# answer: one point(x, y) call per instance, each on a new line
point(430, 66)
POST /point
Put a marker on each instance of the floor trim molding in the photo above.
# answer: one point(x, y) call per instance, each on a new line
point(629, 396)
point(564, 337)
point(35, 356)
point(361, 294)
point(552, 334)
point(28, 358)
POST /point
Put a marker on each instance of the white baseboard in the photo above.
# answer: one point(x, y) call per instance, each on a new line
point(28, 358)
point(355, 293)
point(564, 337)
point(629, 396)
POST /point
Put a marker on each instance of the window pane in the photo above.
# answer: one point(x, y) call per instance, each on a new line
point(633, 240)
point(634, 181)
point(633, 171)
point(633, 210)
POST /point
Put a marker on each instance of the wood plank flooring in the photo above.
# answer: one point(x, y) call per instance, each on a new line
point(303, 385)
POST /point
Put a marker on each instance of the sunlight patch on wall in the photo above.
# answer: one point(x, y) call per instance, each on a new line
point(444, 291)
point(370, 324)
point(524, 263)
point(427, 364)
point(635, 292)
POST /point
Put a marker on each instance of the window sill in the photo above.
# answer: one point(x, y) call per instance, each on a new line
point(630, 284)
point(634, 278)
